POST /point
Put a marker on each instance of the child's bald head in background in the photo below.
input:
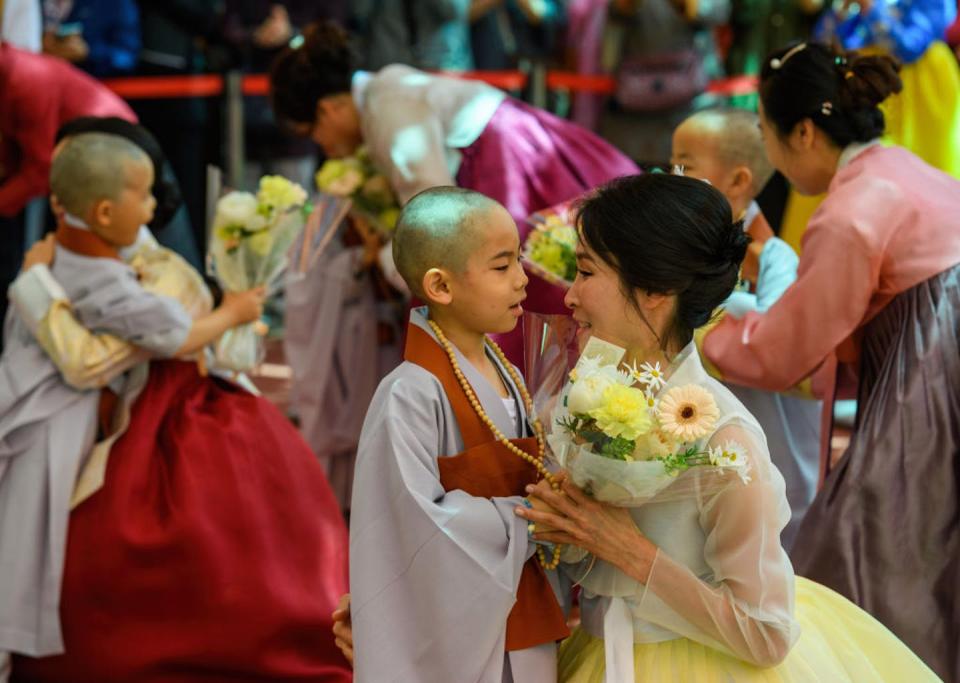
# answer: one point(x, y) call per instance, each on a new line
point(90, 167)
point(723, 146)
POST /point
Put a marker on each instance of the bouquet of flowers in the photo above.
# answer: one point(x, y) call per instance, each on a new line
point(550, 249)
point(626, 441)
point(359, 180)
point(251, 236)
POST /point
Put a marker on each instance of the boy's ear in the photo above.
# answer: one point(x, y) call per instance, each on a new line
point(436, 287)
point(102, 212)
point(742, 181)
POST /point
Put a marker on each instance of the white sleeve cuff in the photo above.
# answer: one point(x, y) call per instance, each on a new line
point(32, 294)
point(778, 270)
point(389, 268)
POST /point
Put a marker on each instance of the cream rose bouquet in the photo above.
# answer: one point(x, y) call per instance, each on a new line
point(625, 441)
point(550, 247)
point(251, 237)
point(358, 179)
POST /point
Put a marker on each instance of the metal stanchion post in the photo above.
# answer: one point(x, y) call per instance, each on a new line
point(233, 112)
point(537, 85)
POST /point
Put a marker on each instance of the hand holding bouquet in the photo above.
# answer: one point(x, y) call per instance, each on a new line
point(251, 236)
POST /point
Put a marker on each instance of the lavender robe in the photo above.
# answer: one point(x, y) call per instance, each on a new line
point(47, 429)
point(330, 342)
point(434, 574)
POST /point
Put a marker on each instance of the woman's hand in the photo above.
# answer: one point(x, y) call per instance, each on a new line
point(605, 531)
point(245, 307)
point(342, 628)
point(40, 253)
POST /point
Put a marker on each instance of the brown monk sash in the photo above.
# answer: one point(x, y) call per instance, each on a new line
point(487, 469)
point(86, 243)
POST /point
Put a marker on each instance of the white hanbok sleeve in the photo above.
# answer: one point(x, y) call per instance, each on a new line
point(778, 270)
point(406, 139)
point(746, 607)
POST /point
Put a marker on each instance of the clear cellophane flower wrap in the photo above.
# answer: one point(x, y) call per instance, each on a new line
point(251, 237)
point(549, 250)
point(648, 467)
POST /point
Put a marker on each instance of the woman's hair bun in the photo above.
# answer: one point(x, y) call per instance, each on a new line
point(869, 79)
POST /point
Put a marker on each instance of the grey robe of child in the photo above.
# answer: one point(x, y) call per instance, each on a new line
point(434, 574)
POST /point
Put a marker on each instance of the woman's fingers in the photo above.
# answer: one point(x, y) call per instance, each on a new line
point(575, 493)
point(556, 537)
point(557, 501)
point(554, 522)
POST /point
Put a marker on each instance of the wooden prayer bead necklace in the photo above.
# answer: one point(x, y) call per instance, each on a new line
point(535, 460)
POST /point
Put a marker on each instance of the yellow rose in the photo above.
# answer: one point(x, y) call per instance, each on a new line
point(260, 243)
point(388, 218)
point(623, 412)
point(279, 193)
point(340, 177)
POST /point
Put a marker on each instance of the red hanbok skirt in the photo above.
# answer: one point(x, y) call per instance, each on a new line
point(214, 552)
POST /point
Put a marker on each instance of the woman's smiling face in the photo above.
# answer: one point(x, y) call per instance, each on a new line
point(600, 307)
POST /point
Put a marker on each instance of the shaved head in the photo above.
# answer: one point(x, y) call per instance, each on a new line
point(736, 134)
point(90, 167)
point(439, 228)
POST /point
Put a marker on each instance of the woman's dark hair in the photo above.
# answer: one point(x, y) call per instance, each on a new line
point(165, 189)
point(839, 91)
point(667, 234)
point(317, 64)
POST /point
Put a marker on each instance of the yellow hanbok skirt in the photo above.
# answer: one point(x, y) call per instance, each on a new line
point(924, 118)
point(838, 643)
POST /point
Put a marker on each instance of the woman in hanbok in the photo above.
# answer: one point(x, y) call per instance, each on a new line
point(875, 315)
point(925, 116)
point(204, 543)
point(424, 130)
point(691, 586)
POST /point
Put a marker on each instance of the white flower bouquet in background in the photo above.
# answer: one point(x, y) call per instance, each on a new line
point(251, 236)
point(358, 179)
point(625, 441)
point(550, 248)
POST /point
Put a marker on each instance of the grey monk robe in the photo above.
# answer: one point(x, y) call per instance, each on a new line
point(435, 570)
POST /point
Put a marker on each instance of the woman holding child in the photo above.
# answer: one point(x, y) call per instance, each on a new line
point(698, 586)
point(204, 541)
point(874, 314)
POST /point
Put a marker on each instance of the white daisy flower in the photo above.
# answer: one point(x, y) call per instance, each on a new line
point(652, 376)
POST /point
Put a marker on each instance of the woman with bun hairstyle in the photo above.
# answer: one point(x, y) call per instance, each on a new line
point(925, 116)
point(874, 314)
point(424, 130)
point(694, 584)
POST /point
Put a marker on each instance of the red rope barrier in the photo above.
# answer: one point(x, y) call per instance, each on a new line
point(211, 85)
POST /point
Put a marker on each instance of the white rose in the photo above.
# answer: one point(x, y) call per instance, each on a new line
point(236, 208)
point(587, 393)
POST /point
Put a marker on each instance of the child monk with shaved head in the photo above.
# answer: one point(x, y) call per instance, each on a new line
point(48, 429)
point(724, 147)
point(446, 586)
